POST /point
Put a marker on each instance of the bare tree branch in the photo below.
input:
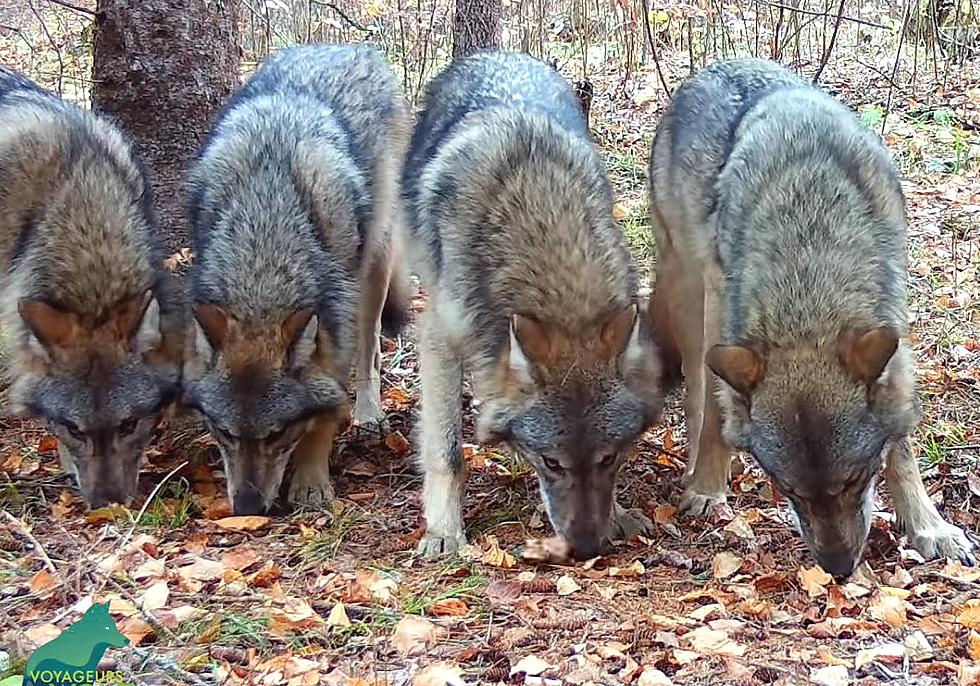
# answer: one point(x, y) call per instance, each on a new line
point(830, 45)
point(343, 15)
point(811, 13)
point(75, 8)
point(653, 48)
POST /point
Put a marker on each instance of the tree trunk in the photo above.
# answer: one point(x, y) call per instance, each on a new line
point(476, 26)
point(162, 69)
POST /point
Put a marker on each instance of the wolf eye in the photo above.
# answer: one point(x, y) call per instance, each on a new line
point(553, 464)
point(74, 430)
point(128, 426)
point(274, 436)
point(608, 460)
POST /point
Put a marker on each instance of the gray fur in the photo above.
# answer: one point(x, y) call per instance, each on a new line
point(511, 220)
point(79, 249)
point(294, 211)
point(782, 218)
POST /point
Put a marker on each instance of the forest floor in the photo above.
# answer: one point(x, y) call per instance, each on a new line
point(733, 598)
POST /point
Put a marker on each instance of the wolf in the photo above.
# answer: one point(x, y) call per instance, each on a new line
point(91, 318)
point(781, 291)
point(294, 214)
point(532, 290)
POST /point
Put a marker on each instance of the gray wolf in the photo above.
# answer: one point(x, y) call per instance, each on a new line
point(531, 290)
point(781, 288)
point(294, 211)
point(92, 319)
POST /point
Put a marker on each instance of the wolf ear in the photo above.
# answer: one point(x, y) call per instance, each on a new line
point(299, 333)
point(741, 367)
point(213, 323)
point(50, 325)
point(621, 338)
point(866, 355)
point(530, 345)
point(137, 320)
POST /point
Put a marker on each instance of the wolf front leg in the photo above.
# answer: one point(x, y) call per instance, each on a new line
point(310, 484)
point(925, 528)
point(709, 458)
point(441, 449)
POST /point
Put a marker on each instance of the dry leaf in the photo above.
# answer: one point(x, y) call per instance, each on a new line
point(440, 674)
point(42, 633)
point(707, 640)
point(889, 609)
point(973, 645)
point(632, 572)
point(725, 564)
point(155, 597)
point(970, 616)
point(619, 212)
point(47, 444)
point(653, 677)
point(740, 527)
point(665, 514)
point(449, 607)
point(240, 557)
point(961, 572)
point(685, 657)
point(814, 580)
point(338, 616)
point(495, 556)
point(834, 675)
point(172, 619)
point(42, 581)
point(566, 585)
point(397, 443)
point(532, 665)
point(135, 629)
point(64, 505)
point(414, 635)
point(889, 653)
point(243, 523)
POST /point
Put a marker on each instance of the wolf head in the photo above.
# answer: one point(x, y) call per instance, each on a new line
point(573, 403)
point(101, 383)
point(259, 389)
point(820, 420)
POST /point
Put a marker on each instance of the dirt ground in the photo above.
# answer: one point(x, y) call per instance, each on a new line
point(734, 598)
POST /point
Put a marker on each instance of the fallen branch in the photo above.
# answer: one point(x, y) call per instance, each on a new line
point(75, 8)
point(21, 529)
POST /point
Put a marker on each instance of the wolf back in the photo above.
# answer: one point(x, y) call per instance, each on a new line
point(531, 288)
point(781, 228)
point(293, 208)
point(92, 319)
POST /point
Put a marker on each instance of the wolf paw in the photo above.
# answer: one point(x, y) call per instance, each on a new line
point(432, 545)
point(369, 416)
point(311, 488)
point(629, 522)
point(943, 540)
point(695, 504)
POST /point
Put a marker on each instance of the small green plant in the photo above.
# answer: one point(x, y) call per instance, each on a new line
point(172, 507)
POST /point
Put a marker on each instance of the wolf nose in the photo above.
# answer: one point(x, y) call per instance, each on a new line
point(248, 502)
point(838, 565)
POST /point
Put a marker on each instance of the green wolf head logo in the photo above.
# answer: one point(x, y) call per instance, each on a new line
point(72, 659)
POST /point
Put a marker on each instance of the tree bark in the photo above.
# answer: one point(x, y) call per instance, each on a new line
point(163, 69)
point(476, 26)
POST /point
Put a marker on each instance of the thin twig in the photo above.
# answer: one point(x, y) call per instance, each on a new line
point(75, 8)
point(830, 45)
point(797, 10)
point(898, 57)
point(653, 48)
point(146, 504)
point(23, 530)
point(343, 15)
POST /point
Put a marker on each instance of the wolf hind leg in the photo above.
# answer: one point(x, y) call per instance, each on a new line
point(374, 288)
point(925, 528)
point(310, 484)
point(441, 437)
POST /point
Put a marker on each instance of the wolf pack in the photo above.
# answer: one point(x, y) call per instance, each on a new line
point(779, 295)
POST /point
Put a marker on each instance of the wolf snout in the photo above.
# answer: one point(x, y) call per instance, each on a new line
point(840, 564)
point(248, 501)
